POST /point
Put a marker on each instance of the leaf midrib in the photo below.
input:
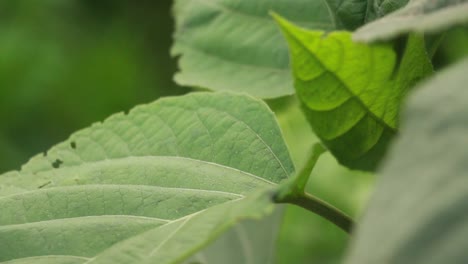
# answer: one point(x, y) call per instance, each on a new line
point(353, 95)
point(46, 257)
point(195, 48)
point(77, 218)
point(125, 185)
point(147, 157)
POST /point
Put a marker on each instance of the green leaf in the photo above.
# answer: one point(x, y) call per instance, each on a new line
point(235, 45)
point(351, 14)
point(248, 242)
point(179, 239)
point(352, 92)
point(423, 16)
point(163, 180)
point(419, 210)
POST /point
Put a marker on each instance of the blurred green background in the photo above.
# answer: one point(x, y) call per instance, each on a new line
point(67, 64)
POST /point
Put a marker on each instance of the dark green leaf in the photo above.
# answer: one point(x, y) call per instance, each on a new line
point(351, 14)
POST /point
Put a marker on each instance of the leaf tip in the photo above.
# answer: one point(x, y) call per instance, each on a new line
point(281, 21)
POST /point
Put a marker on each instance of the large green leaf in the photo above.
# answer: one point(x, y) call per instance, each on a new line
point(418, 16)
point(163, 181)
point(419, 210)
point(352, 92)
point(235, 45)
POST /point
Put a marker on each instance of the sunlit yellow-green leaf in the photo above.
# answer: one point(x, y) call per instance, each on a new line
point(351, 92)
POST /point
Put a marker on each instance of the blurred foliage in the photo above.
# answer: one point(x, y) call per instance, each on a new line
point(453, 47)
point(66, 64)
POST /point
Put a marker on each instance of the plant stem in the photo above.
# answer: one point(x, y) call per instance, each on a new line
point(322, 208)
point(293, 192)
point(302, 178)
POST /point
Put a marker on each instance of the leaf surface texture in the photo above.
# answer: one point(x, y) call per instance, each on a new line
point(351, 92)
point(150, 186)
point(234, 45)
point(418, 213)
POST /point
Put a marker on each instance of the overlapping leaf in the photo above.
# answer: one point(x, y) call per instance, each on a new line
point(418, 16)
point(351, 14)
point(250, 242)
point(352, 92)
point(234, 45)
point(419, 210)
point(152, 186)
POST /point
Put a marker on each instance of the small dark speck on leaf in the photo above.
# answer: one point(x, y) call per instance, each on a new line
point(44, 153)
point(44, 185)
point(56, 164)
point(73, 145)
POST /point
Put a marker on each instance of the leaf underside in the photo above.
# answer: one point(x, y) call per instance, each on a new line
point(423, 16)
point(420, 203)
point(235, 45)
point(351, 92)
point(251, 241)
point(150, 186)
